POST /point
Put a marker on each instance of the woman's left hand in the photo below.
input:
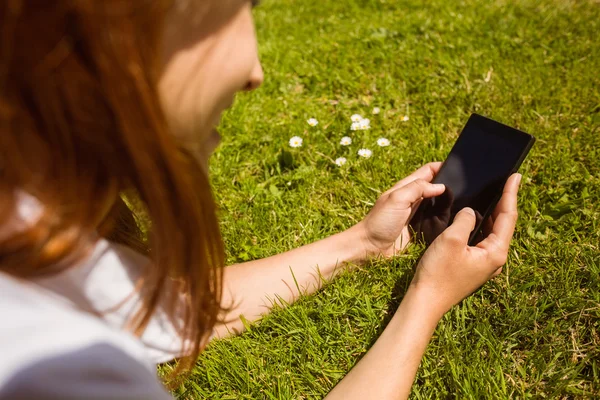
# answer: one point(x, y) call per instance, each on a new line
point(384, 231)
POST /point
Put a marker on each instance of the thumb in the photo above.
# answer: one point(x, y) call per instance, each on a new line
point(462, 226)
point(407, 195)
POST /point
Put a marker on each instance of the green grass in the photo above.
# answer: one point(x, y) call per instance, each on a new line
point(534, 332)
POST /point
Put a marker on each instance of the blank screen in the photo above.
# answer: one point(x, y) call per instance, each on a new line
point(482, 159)
point(477, 168)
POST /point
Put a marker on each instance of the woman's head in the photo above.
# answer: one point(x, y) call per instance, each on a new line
point(98, 98)
point(209, 54)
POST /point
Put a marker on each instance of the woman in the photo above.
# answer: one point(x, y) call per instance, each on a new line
point(105, 98)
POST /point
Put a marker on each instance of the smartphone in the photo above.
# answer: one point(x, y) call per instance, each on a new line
point(484, 156)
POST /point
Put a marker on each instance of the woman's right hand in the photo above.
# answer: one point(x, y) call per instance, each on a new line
point(450, 270)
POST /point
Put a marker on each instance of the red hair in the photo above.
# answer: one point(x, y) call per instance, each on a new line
point(81, 124)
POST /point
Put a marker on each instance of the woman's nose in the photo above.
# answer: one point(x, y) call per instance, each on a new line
point(256, 77)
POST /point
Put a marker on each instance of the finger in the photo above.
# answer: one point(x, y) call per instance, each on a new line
point(498, 242)
point(462, 226)
point(497, 272)
point(508, 201)
point(427, 172)
point(408, 195)
point(505, 215)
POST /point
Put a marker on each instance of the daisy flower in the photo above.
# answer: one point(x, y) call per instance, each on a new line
point(356, 118)
point(405, 118)
point(376, 110)
point(364, 124)
point(366, 153)
point(346, 141)
point(312, 122)
point(296, 141)
point(361, 125)
point(340, 161)
point(383, 142)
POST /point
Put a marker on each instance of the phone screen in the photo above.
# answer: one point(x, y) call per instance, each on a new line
point(482, 159)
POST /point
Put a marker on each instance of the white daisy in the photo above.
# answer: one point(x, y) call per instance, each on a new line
point(312, 122)
point(366, 153)
point(356, 118)
point(296, 141)
point(405, 118)
point(355, 126)
point(364, 124)
point(382, 142)
point(340, 161)
point(346, 141)
point(376, 110)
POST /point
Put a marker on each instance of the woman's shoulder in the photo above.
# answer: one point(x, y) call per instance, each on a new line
point(47, 345)
point(106, 286)
point(36, 323)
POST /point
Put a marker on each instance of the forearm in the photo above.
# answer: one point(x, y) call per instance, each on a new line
point(388, 370)
point(251, 288)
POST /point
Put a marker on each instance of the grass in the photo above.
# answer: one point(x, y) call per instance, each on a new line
point(532, 333)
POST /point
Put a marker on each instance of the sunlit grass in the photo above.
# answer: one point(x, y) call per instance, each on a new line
point(535, 330)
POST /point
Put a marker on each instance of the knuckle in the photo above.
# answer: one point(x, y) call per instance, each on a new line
point(421, 183)
point(498, 255)
point(407, 192)
point(450, 238)
point(501, 258)
point(397, 196)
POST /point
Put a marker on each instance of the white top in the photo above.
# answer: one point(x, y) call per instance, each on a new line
point(52, 347)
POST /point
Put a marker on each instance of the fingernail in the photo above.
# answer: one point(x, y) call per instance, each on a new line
point(469, 210)
point(438, 186)
point(519, 176)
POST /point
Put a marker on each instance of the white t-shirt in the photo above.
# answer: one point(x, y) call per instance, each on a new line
point(52, 347)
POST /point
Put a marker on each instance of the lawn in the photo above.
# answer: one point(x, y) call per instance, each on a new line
point(534, 332)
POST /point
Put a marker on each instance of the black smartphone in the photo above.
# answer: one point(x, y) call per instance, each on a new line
point(484, 156)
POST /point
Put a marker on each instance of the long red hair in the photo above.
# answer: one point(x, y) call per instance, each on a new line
point(80, 125)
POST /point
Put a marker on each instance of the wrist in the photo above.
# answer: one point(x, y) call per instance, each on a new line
point(362, 246)
point(344, 248)
point(425, 303)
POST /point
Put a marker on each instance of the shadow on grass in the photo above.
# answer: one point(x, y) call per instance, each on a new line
point(398, 292)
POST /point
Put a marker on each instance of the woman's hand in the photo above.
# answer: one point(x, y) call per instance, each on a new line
point(384, 231)
point(450, 270)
